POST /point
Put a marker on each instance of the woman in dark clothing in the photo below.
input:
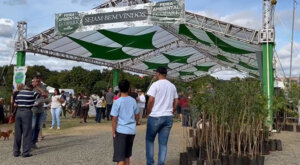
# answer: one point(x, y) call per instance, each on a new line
point(85, 102)
point(2, 117)
point(78, 107)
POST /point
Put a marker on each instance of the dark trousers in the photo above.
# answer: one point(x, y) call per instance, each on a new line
point(64, 109)
point(23, 129)
point(108, 109)
point(103, 113)
point(84, 113)
point(98, 115)
point(36, 126)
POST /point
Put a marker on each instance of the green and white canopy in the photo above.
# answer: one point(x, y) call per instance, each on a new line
point(198, 47)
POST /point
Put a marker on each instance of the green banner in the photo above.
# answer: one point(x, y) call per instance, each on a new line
point(148, 14)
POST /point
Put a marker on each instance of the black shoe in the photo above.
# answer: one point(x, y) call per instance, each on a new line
point(27, 156)
point(16, 155)
point(34, 146)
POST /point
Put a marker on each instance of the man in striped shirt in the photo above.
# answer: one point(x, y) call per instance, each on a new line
point(25, 100)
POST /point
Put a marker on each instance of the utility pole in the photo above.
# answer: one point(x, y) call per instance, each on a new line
point(292, 42)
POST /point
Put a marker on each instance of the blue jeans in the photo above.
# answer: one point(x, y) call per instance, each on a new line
point(98, 115)
point(161, 126)
point(55, 112)
point(36, 126)
point(44, 116)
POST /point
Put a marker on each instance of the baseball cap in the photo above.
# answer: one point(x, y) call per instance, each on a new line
point(162, 70)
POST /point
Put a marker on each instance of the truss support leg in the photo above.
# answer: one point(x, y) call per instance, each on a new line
point(268, 80)
point(115, 79)
point(21, 56)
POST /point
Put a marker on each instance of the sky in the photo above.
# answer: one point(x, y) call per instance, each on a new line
point(40, 16)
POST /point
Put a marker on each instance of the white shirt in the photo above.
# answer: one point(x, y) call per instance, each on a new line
point(100, 102)
point(164, 93)
point(142, 101)
point(55, 103)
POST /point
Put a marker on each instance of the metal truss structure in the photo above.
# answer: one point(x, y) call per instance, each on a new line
point(34, 44)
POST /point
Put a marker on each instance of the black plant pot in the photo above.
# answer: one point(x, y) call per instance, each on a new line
point(244, 160)
point(238, 161)
point(232, 159)
point(200, 162)
point(272, 143)
point(252, 161)
point(289, 128)
point(266, 148)
point(183, 158)
point(201, 152)
point(298, 128)
point(217, 162)
point(260, 160)
point(278, 145)
point(192, 156)
point(209, 162)
point(225, 159)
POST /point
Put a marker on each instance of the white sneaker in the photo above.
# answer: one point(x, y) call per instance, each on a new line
point(51, 128)
point(58, 127)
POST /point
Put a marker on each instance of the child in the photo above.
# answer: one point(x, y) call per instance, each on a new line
point(124, 114)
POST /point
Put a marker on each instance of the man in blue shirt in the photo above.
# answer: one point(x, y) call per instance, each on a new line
point(124, 114)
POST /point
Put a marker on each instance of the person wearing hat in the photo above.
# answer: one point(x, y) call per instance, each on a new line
point(163, 100)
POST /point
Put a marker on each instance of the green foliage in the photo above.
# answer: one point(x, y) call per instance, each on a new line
point(294, 93)
point(237, 107)
point(79, 79)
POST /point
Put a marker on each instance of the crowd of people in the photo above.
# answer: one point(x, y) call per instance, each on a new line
point(125, 107)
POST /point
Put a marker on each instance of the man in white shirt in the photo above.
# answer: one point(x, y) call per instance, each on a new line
point(163, 100)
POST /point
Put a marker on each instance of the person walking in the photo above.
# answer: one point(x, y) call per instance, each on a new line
point(2, 116)
point(85, 103)
point(38, 109)
point(141, 104)
point(56, 108)
point(25, 100)
point(63, 105)
point(73, 104)
point(124, 114)
point(163, 100)
point(109, 101)
point(99, 107)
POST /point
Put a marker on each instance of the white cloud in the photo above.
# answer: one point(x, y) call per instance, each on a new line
point(284, 18)
point(15, 2)
point(284, 56)
point(85, 2)
point(7, 27)
point(57, 64)
point(245, 18)
point(227, 75)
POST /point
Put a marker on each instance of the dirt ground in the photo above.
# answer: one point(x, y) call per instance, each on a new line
point(91, 144)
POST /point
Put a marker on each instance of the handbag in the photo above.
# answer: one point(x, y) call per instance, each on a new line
point(11, 119)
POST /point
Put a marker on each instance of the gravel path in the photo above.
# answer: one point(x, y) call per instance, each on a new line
point(87, 145)
point(291, 150)
point(92, 145)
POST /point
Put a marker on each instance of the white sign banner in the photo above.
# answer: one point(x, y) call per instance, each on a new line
point(19, 75)
point(148, 14)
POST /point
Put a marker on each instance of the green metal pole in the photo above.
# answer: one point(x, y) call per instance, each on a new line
point(115, 79)
point(21, 56)
point(268, 80)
